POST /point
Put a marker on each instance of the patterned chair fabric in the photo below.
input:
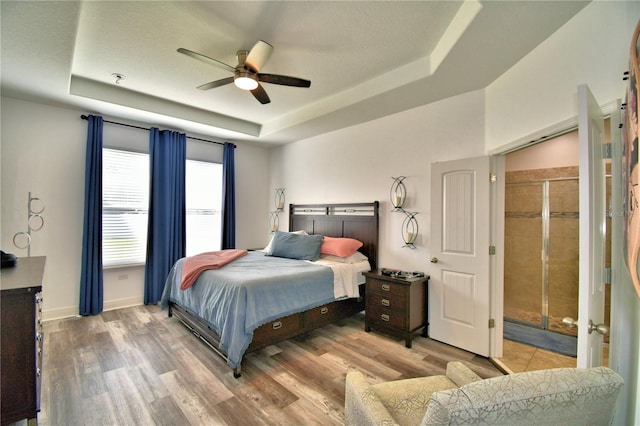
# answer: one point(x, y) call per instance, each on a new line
point(561, 396)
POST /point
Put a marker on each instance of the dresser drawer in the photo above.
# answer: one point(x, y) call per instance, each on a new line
point(387, 301)
point(386, 288)
point(387, 317)
point(39, 346)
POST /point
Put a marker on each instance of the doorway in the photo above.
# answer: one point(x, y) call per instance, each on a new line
point(541, 262)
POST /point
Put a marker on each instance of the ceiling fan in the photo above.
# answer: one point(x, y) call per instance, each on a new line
point(246, 75)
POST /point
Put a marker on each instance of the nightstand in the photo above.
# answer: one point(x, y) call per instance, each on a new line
point(396, 306)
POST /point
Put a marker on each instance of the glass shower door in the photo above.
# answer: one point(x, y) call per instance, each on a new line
point(523, 247)
point(563, 254)
point(541, 253)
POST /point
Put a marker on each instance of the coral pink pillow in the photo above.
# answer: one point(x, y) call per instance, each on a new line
point(341, 247)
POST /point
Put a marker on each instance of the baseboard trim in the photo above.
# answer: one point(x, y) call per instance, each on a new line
point(501, 366)
point(123, 303)
point(110, 305)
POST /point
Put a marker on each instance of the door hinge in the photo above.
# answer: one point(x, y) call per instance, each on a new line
point(492, 323)
point(607, 275)
point(607, 150)
point(492, 250)
point(492, 177)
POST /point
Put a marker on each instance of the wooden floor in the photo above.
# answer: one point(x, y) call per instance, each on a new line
point(136, 366)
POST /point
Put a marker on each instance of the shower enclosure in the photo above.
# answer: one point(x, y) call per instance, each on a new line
point(541, 248)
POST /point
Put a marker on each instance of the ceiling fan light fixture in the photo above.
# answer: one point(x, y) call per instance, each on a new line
point(245, 80)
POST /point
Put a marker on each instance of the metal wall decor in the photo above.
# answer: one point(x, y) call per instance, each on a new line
point(398, 193)
point(279, 199)
point(410, 229)
point(398, 196)
point(274, 220)
point(35, 222)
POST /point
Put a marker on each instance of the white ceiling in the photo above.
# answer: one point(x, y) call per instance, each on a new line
point(365, 59)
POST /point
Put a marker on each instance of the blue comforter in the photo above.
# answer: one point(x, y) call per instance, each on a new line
point(249, 292)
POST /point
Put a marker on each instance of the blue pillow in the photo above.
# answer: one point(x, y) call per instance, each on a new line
point(294, 246)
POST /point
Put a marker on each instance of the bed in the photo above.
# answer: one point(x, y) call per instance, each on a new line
point(259, 300)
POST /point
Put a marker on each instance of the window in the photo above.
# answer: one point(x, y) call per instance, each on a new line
point(204, 204)
point(125, 204)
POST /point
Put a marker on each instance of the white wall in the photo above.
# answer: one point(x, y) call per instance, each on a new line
point(561, 151)
point(356, 165)
point(43, 151)
point(540, 91)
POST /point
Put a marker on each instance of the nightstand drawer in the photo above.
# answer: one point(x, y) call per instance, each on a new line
point(387, 301)
point(387, 317)
point(386, 288)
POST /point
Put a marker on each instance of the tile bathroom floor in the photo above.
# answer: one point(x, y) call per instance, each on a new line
point(518, 357)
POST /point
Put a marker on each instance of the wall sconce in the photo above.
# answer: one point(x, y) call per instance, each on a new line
point(409, 229)
point(279, 199)
point(274, 220)
point(398, 196)
point(398, 193)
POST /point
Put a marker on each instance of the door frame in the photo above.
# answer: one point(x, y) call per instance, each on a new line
point(496, 268)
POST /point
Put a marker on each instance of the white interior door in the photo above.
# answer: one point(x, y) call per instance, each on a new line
point(592, 230)
point(459, 292)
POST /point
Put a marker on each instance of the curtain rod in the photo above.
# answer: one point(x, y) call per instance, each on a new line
point(84, 117)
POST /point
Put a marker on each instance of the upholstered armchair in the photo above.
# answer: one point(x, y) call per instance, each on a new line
point(561, 396)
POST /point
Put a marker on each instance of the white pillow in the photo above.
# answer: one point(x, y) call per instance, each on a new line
point(354, 258)
point(267, 249)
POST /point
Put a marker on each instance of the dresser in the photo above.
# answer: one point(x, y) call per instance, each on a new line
point(21, 339)
point(396, 306)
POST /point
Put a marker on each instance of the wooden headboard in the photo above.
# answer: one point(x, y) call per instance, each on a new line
point(358, 220)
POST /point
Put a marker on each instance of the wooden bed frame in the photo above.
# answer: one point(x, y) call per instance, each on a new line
point(359, 221)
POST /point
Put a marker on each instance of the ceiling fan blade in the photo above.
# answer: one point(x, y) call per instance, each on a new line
point(205, 59)
point(261, 95)
point(216, 83)
point(284, 80)
point(258, 55)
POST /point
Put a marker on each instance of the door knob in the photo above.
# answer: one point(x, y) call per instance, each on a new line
point(434, 260)
point(598, 328)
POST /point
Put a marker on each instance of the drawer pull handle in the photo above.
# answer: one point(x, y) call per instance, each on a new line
point(385, 302)
point(277, 325)
point(385, 287)
point(384, 317)
point(324, 310)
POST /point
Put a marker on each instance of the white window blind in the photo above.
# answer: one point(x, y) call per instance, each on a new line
point(125, 203)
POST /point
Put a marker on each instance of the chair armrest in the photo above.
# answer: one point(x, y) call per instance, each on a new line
point(361, 405)
point(460, 374)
